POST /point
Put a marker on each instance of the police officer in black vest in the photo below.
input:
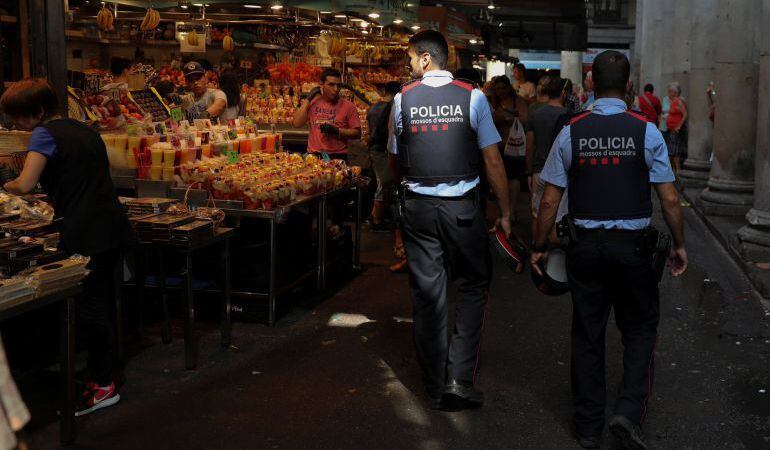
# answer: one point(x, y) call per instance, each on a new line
point(609, 159)
point(441, 130)
point(69, 160)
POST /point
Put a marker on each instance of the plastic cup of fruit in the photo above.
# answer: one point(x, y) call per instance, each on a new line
point(206, 150)
point(168, 174)
point(169, 157)
point(131, 158)
point(156, 173)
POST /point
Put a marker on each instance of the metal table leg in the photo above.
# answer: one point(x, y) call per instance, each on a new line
point(227, 324)
point(139, 274)
point(357, 245)
point(272, 288)
point(67, 365)
point(165, 328)
point(118, 280)
point(322, 243)
point(189, 318)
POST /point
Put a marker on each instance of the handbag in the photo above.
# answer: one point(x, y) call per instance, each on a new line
point(516, 144)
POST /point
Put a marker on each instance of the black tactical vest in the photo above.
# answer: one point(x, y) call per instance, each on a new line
point(608, 176)
point(77, 180)
point(437, 143)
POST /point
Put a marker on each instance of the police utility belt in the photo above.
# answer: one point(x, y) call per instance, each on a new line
point(650, 243)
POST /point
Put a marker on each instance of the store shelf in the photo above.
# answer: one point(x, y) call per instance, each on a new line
point(9, 19)
point(157, 43)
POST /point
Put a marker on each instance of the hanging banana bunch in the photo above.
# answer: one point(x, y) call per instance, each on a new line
point(192, 38)
point(105, 19)
point(151, 20)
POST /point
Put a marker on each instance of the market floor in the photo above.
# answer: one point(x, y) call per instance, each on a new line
point(309, 384)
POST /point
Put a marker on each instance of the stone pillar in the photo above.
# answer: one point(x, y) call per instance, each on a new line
point(665, 45)
point(755, 238)
point(731, 182)
point(702, 63)
point(572, 66)
point(680, 44)
point(636, 48)
point(651, 58)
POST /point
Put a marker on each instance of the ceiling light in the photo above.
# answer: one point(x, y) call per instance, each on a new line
point(184, 4)
point(415, 27)
point(276, 6)
point(409, 5)
point(473, 41)
point(364, 32)
point(340, 16)
point(374, 15)
point(363, 24)
point(252, 6)
point(398, 21)
point(326, 12)
point(491, 5)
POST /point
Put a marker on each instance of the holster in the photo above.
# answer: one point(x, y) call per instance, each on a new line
point(565, 228)
point(656, 246)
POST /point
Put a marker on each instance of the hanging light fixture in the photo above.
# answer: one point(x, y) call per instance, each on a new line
point(276, 6)
point(184, 4)
point(415, 27)
point(374, 15)
point(491, 5)
point(398, 20)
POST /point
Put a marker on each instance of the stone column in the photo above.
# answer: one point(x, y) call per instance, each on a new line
point(680, 44)
point(636, 48)
point(702, 63)
point(651, 58)
point(572, 66)
point(665, 45)
point(755, 238)
point(731, 182)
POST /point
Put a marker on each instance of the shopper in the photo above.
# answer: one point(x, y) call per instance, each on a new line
point(377, 117)
point(120, 69)
point(676, 124)
point(611, 210)
point(588, 95)
point(523, 88)
point(202, 102)
point(571, 99)
point(540, 137)
point(69, 160)
point(649, 104)
point(442, 129)
point(230, 84)
point(333, 120)
point(542, 98)
point(510, 117)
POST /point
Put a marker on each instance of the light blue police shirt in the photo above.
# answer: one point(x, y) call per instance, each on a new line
point(481, 123)
point(655, 155)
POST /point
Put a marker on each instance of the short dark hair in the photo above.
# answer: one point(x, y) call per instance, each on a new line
point(118, 65)
point(649, 87)
point(611, 70)
point(329, 72)
point(468, 73)
point(520, 66)
point(433, 43)
point(391, 88)
point(501, 79)
point(554, 87)
point(30, 97)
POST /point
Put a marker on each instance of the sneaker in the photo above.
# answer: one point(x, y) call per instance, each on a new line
point(458, 396)
point(96, 397)
point(629, 434)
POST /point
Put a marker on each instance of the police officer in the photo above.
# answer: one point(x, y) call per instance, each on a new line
point(441, 130)
point(609, 158)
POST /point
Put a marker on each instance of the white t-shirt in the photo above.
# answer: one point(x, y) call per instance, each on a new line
point(195, 108)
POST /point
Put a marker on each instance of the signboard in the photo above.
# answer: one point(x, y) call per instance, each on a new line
point(177, 114)
point(185, 28)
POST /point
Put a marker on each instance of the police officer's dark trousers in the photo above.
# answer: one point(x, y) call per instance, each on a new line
point(607, 271)
point(443, 238)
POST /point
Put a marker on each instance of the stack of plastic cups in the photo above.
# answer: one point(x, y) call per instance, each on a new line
point(156, 167)
point(169, 158)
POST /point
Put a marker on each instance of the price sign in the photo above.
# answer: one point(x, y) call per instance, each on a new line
point(177, 114)
point(232, 157)
point(245, 64)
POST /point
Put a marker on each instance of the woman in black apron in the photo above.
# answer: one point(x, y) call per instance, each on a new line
point(69, 160)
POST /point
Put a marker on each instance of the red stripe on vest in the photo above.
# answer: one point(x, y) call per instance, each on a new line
point(463, 85)
point(410, 86)
point(579, 117)
point(638, 116)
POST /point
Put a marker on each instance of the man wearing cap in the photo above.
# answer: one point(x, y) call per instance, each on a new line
point(441, 131)
point(203, 102)
point(611, 158)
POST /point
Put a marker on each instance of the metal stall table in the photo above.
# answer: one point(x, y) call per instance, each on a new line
point(234, 209)
point(66, 299)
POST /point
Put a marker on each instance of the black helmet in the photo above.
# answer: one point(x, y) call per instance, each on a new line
point(512, 249)
point(553, 281)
